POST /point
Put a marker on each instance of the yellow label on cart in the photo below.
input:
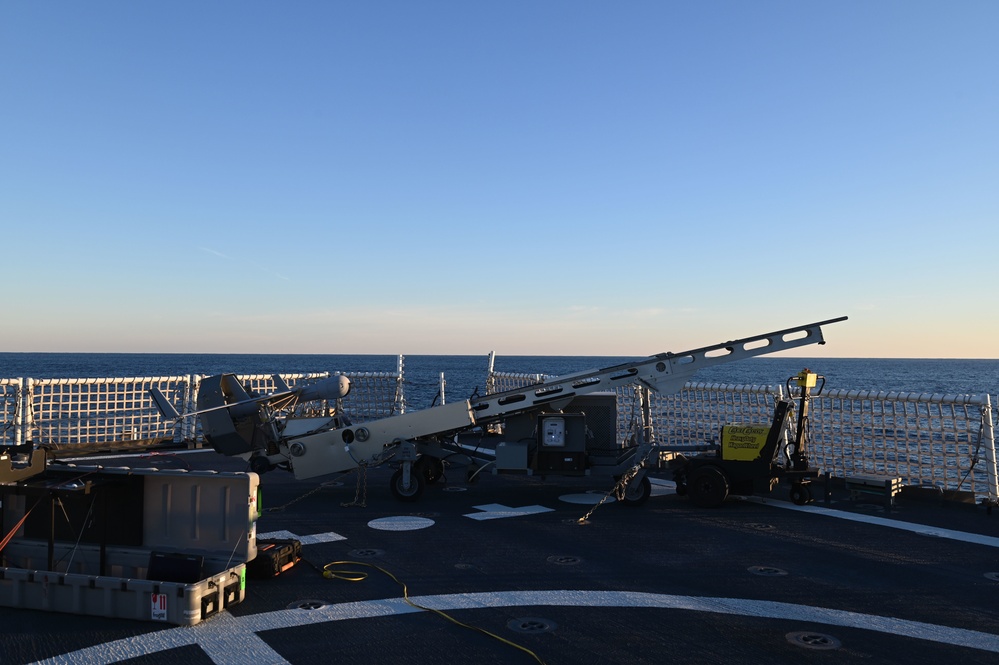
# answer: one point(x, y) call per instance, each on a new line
point(743, 442)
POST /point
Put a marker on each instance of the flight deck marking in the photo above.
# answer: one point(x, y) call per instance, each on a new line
point(921, 529)
point(314, 539)
point(493, 511)
point(230, 640)
point(401, 523)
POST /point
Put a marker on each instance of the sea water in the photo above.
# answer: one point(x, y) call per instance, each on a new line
point(466, 375)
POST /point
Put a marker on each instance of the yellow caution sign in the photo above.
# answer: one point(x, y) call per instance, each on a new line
point(743, 442)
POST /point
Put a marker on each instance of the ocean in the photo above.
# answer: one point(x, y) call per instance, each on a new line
point(466, 374)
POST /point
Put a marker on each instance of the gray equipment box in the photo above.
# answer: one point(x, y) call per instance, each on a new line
point(145, 544)
point(511, 456)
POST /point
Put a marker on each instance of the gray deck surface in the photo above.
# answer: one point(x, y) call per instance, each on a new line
point(755, 581)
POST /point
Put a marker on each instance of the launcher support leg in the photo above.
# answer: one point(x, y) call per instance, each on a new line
point(407, 483)
point(638, 490)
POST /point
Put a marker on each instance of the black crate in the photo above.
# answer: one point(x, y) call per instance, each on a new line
point(274, 556)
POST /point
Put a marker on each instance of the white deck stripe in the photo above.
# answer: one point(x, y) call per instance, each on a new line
point(494, 511)
point(233, 640)
point(921, 529)
point(328, 537)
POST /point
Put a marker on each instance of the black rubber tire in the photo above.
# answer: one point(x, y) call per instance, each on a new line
point(801, 494)
point(416, 485)
point(260, 464)
point(707, 486)
point(431, 468)
point(636, 496)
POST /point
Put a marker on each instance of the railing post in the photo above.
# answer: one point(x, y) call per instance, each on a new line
point(19, 406)
point(189, 401)
point(989, 442)
point(648, 428)
point(490, 376)
point(400, 391)
point(26, 411)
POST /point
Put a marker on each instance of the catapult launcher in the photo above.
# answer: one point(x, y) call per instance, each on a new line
point(539, 429)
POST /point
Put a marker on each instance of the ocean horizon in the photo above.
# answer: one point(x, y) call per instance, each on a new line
point(465, 375)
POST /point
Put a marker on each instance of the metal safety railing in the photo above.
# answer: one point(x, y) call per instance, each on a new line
point(11, 411)
point(68, 414)
point(942, 441)
point(72, 412)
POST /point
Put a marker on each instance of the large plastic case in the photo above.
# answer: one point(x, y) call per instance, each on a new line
point(158, 545)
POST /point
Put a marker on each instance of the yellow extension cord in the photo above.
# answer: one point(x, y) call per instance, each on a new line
point(330, 573)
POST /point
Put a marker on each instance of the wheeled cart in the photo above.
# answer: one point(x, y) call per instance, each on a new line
point(753, 458)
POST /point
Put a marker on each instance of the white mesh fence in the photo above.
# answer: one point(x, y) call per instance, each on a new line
point(947, 441)
point(499, 382)
point(374, 395)
point(694, 416)
point(11, 402)
point(65, 412)
point(944, 441)
point(62, 413)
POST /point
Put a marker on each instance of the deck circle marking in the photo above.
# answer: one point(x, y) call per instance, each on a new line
point(401, 523)
point(760, 526)
point(992, 576)
point(308, 605)
point(812, 640)
point(585, 499)
point(767, 571)
point(532, 625)
point(215, 636)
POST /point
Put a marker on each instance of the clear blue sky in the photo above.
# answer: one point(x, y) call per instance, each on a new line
point(571, 178)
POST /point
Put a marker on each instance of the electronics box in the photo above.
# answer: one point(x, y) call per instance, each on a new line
point(511, 456)
point(562, 432)
point(146, 544)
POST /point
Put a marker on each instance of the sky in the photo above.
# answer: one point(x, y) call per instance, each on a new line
point(536, 177)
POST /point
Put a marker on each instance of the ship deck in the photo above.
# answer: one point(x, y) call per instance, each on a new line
point(756, 580)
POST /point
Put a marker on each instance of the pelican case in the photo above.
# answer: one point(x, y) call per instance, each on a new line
point(145, 544)
point(274, 556)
